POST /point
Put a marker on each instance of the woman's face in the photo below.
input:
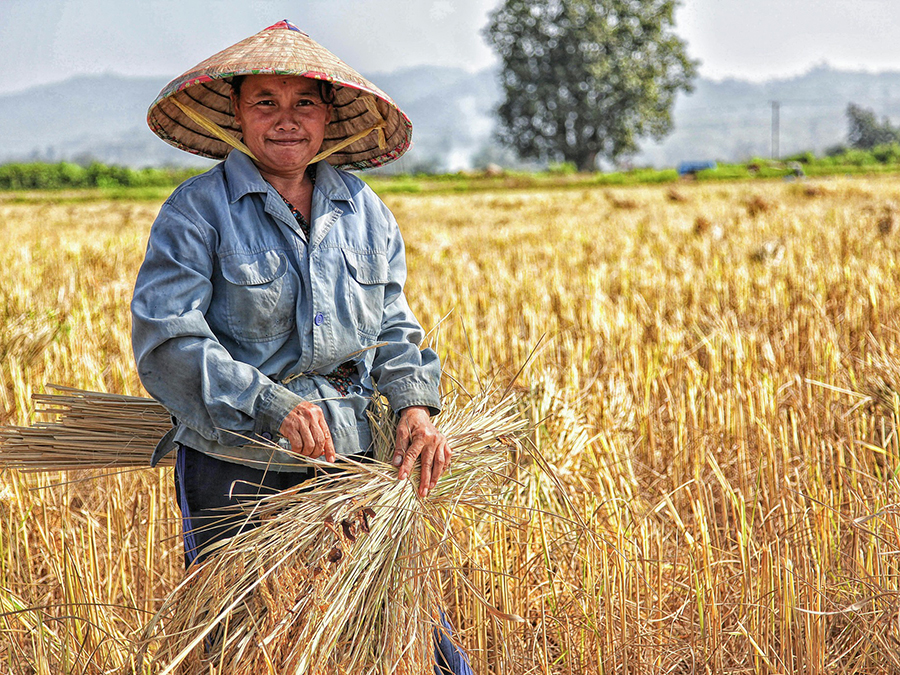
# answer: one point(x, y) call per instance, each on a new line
point(282, 118)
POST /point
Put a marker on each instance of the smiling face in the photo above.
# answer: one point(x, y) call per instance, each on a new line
point(282, 118)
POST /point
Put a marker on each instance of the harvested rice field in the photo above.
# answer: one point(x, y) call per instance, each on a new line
point(711, 373)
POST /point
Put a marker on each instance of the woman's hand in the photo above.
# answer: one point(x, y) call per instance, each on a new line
point(418, 437)
point(307, 432)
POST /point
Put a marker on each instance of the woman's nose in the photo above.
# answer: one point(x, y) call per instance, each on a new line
point(286, 121)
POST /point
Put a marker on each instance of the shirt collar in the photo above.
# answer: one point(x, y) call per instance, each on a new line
point(243, 178)
point(329, 182)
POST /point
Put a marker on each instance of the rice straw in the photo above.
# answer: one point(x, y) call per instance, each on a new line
point(88, 430)
point(344, 573)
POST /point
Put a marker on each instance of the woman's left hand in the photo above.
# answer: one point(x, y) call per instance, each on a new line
point(418, 437)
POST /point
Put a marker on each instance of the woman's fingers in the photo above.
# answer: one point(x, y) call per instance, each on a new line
point(440, 463)
point(409, 457)
point(417, 438)
point(307, 440)
point(401, 444)
point(428, 457)
point(328, 445)
point(306, 430)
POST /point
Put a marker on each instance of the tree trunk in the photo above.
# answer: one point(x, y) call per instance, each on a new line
point(586, 162)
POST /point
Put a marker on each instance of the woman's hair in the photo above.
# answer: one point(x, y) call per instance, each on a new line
point(326, 89)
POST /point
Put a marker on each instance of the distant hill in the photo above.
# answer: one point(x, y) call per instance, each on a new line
point(732, 119)
point(102, 117)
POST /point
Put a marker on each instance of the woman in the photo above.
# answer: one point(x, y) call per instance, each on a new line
point(270, 303)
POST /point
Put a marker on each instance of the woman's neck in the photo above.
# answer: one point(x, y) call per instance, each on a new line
point(297, 190)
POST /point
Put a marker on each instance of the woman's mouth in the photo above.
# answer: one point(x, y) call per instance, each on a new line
point(285, 141)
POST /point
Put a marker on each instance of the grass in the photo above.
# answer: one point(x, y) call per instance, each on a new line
point(715, 396)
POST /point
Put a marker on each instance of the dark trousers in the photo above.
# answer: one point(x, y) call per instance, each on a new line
point(207, 487)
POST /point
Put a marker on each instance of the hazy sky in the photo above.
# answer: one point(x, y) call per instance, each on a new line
point(48, 40)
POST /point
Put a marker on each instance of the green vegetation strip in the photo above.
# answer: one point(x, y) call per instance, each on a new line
point(65, 182)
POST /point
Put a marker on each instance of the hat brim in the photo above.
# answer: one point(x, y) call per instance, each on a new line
point(207, 90)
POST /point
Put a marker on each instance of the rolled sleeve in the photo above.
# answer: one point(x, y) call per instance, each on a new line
point(274, 406)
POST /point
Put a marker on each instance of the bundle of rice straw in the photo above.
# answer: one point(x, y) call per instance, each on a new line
point(86, 430)
point(342, 574)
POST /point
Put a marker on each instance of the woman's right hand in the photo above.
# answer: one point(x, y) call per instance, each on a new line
point(306, 431)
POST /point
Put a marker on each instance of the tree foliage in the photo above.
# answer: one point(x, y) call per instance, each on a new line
point(866, 132)
point(586, 79)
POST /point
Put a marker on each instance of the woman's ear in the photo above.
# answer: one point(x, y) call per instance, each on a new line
point(235, 106)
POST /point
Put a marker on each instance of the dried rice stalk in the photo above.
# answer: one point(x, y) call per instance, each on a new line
point(89, 430)
point(342, 575)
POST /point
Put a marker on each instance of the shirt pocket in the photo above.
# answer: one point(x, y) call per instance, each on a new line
point(367, 276)
point(260, 295)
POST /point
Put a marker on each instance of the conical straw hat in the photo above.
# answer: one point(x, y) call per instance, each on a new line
point(193, 112)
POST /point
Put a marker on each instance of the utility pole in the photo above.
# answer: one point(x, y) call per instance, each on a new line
point(776, 131)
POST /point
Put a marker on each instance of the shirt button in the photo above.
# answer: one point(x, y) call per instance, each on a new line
point(320, 319)
point(266, 435)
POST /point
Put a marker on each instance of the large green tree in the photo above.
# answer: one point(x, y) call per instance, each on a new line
point(866, 132)
point(583, 80)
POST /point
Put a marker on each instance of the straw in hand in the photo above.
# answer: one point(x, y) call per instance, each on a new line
point(342, 574)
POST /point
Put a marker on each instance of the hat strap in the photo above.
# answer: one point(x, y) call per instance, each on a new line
point(378, 126)
point(213, 128)
point(225, 137)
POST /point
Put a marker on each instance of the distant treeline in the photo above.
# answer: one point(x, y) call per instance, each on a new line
point(883, 158)
point(63, 175)
point(886, 153)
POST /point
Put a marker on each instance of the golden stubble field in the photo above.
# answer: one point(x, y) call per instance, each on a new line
point(715, 390)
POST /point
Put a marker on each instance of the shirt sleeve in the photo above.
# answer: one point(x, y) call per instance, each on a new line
point(404, 374)
point(179, 360)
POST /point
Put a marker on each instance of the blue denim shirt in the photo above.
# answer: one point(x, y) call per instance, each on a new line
point(236, 315)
